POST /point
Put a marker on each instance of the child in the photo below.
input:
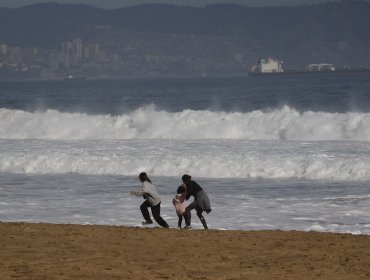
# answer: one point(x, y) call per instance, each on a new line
point(179, 201)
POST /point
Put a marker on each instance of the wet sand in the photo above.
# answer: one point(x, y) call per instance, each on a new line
point(50, 251)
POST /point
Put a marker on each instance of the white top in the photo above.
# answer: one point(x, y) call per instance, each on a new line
point(150, 193)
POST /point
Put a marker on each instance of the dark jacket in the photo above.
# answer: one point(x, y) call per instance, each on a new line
point(192, 189)
point(200, 196)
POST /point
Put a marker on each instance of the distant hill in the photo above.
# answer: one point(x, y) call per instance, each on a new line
point(47, 24)
point(335, 32)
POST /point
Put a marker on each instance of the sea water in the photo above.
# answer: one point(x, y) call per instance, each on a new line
point(289, 153)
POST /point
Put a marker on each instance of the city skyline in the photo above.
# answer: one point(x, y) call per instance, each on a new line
point(169, 41)
point(114, 4)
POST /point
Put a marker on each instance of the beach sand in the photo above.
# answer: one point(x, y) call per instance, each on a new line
point(51, 251)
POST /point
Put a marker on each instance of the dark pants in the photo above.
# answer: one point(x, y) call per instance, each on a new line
point(191, 206)
point(180, 219)
point(156, 211)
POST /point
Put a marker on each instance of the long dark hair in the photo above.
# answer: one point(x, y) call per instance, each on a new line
point(186, 178)
point(181, 189)
point(143, 177)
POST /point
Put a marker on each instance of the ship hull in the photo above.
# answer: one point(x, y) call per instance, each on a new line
point(308, 72)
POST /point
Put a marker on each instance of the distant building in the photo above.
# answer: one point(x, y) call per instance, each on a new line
point(54, 60)
point(65, 61)
point(47, 74)
point(35, 50)
point(86, 52)
point(96, 48)
point(100, 57)
point(3, 48)
point(77, 47)
point(67, 48)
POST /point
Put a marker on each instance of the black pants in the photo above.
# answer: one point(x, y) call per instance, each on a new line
point(179, 223)
point(191, 206)
point(156, 211)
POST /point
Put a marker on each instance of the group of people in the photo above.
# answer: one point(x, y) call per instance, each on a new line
point(183, 210)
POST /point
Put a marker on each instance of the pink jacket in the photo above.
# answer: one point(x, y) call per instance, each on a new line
point(179, 201)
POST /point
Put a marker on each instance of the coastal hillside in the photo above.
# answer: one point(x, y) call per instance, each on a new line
point(218, 38)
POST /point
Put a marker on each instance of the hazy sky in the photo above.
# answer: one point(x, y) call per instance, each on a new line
point(111, 4)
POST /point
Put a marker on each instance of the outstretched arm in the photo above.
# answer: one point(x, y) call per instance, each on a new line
point(140, 193)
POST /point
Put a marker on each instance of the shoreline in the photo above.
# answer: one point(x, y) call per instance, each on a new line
point(72, 251)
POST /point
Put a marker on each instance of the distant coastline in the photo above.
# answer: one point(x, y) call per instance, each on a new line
point(145, 41)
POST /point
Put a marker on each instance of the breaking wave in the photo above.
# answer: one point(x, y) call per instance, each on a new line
point(148, 123)
point(324, 160)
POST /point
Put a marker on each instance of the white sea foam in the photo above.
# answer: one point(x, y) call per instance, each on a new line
point(203, 158)
point(244, 204)
point(292, 155)
point(283, 168)
point(276, 144)
point(148, 123)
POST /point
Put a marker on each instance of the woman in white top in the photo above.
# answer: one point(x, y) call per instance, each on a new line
point(152, 200)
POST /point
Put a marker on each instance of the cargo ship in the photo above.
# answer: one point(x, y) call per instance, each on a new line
point(272, 66)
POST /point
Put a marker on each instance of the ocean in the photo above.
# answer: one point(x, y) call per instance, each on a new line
point(288, 153)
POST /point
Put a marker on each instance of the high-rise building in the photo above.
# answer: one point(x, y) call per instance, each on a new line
point(86, 54)
point(54, 60)
point(100, 57)
point(65, 60)
point(67, 48)
point(77, 47)
point(3, 48)
point(96, 48)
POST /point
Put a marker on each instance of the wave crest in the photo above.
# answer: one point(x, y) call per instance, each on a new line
point(149, 123)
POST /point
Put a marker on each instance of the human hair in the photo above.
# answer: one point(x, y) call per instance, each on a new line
point(181, 189)
point(143, 177)
point(186, 178)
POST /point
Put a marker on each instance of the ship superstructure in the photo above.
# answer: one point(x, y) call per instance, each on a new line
point(268, 65)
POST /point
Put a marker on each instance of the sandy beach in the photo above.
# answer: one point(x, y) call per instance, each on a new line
point(51, 251)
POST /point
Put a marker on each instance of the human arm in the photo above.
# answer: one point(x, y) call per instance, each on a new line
point(138, 193)
point(174, 202)
point(147, 190)
point(188, 191)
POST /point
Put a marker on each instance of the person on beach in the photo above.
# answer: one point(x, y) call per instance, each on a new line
point(201, 201)
point(152, 200)
point(179, 201)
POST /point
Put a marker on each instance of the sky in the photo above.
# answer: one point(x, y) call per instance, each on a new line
point(113, 4)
